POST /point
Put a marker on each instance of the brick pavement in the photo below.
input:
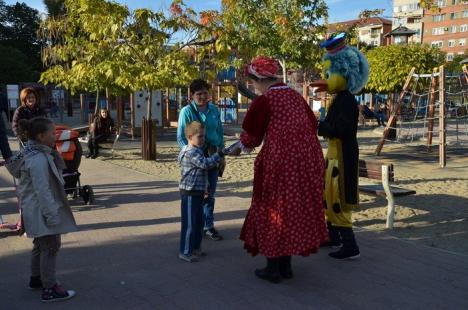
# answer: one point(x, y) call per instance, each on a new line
point(125, 257)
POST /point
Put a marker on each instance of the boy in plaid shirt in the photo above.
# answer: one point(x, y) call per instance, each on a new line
point(193, 187)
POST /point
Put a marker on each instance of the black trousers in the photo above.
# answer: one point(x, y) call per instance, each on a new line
point(93, 143)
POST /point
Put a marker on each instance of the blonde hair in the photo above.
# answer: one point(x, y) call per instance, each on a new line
point(25, 93)
point(193, 128)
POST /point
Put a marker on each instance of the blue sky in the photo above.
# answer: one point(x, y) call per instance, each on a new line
point(339, 10)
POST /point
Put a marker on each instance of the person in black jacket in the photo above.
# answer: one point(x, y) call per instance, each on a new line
point(4, 146)
point(346, 71)
point(29, 109)
point(100, 130)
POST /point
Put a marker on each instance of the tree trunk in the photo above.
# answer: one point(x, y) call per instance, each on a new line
point(96, 108)
point(285, 74)
point(149, 101)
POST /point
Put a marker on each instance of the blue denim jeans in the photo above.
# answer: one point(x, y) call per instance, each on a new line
point(191, 233)
point(209, 203)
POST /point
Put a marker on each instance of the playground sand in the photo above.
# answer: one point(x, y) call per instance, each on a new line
point(436, 216)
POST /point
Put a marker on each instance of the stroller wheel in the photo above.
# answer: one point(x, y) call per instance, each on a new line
point(88, 195)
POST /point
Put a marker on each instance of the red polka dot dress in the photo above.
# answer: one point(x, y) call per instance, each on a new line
point(286, 216)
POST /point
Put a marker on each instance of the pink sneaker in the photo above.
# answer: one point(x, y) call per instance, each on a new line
point(56, 293)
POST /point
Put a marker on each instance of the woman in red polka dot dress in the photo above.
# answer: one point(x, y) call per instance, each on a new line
point(286, 216)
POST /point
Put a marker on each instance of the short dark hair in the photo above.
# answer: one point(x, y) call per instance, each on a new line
point(30, 129)
point(197, 85)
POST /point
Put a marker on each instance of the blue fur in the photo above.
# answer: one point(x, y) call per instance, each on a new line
point(352, 65)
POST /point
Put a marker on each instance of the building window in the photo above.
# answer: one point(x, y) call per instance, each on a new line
point(437, 44)
point(461, 42)
point(453, 29)
point(451, 43)
point(454, 2)
point(438, 18)
point(465, 13)
point(441, 3)
point(437, 31)
point(449, 56)
point(463, 28)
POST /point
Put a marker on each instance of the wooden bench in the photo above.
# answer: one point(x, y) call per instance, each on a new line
point(81, 129)
point(104, 145)
point(383, 172)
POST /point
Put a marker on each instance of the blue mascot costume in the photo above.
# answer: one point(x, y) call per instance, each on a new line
point(346, 71)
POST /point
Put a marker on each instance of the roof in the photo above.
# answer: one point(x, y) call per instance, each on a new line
point(401, 31)
point(360, 22)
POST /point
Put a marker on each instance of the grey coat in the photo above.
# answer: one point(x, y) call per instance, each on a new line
point(41, 191)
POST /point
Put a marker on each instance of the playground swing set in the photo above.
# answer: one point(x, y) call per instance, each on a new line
point(415, 114)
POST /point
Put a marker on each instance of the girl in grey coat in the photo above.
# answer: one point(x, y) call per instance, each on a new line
point(45, 209)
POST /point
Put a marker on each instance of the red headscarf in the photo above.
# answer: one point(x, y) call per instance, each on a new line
point(263, 67)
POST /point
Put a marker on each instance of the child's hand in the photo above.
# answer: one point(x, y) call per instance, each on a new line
point(206, 195)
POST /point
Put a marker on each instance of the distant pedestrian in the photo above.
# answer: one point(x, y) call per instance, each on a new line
point(46, 213)
point(4, 146)
point(194, 189)
point(99, 132)
point(28, 109)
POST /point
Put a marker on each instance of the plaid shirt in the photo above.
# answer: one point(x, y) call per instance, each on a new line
point(194, 168)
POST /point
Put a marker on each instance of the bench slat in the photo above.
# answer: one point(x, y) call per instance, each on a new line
point(373, 170)
point(377, 189)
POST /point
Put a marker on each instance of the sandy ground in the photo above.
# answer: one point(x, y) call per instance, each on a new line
point(436, 216)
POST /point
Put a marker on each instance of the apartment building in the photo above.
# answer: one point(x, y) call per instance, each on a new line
point(447, 26)
point(370, 31)
point(409, 14)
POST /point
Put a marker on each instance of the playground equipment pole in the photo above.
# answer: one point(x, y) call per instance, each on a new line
point(430, 125)
point(393, 117)
point(442, 123)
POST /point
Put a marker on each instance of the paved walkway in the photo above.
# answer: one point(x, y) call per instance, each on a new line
point(125, 257)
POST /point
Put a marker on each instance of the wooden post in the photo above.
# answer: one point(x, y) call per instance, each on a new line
point(430, 116)
point(167, 108)
point(81, 108)
point(236, 94)
point(107, 99)
point(442, 123)
point(148, 139)
point(393, 116)
point(119, 110)
point(69, 103)
point(132, 115)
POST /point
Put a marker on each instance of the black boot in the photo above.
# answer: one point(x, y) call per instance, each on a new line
point(96, 150)
point(271, 271)
point(285, 268)
point(334, 235)
point(90, 149)
point(35, 283)
point(350, 249)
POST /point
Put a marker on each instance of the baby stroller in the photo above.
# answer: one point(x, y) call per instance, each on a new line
point(69, 147)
